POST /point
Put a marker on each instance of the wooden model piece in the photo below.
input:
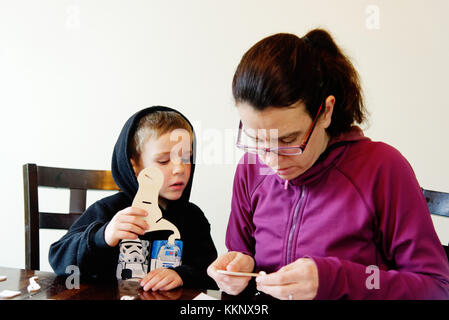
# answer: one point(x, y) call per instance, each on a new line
point(150, 182)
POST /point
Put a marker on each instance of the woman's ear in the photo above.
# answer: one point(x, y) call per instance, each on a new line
point(326, 117)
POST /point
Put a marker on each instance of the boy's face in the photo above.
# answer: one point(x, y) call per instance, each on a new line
point(170, 153)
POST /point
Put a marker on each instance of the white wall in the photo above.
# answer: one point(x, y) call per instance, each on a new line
point(71, 73)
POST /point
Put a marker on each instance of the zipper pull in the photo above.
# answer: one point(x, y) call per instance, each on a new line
point(286, 185)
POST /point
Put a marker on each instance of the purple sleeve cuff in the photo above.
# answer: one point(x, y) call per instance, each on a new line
point(332, 283)
point(324, 278)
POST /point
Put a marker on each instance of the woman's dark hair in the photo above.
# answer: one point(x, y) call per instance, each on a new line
point(283, 69)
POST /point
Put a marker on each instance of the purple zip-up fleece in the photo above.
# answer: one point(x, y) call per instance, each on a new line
point(358, 212)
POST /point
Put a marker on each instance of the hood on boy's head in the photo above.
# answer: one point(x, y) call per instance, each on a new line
point(121, 167)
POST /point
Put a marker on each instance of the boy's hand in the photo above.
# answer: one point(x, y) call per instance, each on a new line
point(161, 295)
point(161, 279)
point(126, 224)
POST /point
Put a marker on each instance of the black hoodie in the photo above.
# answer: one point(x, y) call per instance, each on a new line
point(84, 244)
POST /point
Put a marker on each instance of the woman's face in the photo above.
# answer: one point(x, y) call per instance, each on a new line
point(288, 126)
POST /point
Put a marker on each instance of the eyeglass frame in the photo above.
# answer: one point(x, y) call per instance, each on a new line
point(264, 151)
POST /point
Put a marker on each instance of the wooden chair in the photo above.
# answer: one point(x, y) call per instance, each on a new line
point(438, 204)
point(78, 181)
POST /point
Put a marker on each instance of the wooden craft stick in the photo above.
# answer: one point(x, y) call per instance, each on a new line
point(240, 274)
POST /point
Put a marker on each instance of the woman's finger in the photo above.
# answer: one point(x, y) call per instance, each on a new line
point(279, 278)
point(241, 262)
point(283, 292)
point(221, 262)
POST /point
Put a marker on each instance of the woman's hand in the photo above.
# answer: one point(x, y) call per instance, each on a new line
point(295, 281)
point(162, 279)
point(126, 224)
point(231, 261)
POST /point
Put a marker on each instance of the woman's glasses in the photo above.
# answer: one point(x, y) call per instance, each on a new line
point(285, 151)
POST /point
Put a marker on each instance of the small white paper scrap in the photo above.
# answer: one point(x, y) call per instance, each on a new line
point(127, 298)
point(2, 278)
point(9, 294)
point(33, 286)
point(203, 296)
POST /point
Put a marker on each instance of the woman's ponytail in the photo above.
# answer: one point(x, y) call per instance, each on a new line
point(283, 69)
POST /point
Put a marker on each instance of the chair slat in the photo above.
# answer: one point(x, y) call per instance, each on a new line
point(75, 178)
point(77, 200)
point(61, 221)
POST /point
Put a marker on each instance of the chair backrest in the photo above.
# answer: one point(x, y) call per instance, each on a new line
point(77, 180)
point(438, 204)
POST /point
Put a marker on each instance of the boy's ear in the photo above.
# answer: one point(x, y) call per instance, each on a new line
point(136, 167)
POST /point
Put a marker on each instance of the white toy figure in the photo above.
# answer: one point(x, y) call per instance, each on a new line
point(150, 182)
point(133, 259)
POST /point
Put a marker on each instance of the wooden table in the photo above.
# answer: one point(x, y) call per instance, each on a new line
point(78, 302)
point(94, 299)
point(54, 287)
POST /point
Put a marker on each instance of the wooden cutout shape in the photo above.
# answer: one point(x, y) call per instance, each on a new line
point(150, 182)
point(33, 286)
point(8, 294)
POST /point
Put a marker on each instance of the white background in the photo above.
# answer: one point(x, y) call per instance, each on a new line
point(72, 72)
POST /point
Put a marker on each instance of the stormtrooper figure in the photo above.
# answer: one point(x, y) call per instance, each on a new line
point(133, 259)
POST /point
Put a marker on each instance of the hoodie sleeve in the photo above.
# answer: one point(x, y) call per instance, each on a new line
point(418, 267)
point(199, 251)
point(84, 246)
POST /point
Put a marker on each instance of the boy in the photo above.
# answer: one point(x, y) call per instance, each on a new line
point(97, 241)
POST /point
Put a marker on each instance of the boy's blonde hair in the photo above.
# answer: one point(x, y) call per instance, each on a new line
point(156, 124)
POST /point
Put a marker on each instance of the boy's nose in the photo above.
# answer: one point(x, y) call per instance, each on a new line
point(178, 168)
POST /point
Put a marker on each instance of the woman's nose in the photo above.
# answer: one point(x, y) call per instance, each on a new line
point(271, 159)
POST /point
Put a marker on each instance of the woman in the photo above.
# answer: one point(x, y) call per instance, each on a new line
point(336, 215)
